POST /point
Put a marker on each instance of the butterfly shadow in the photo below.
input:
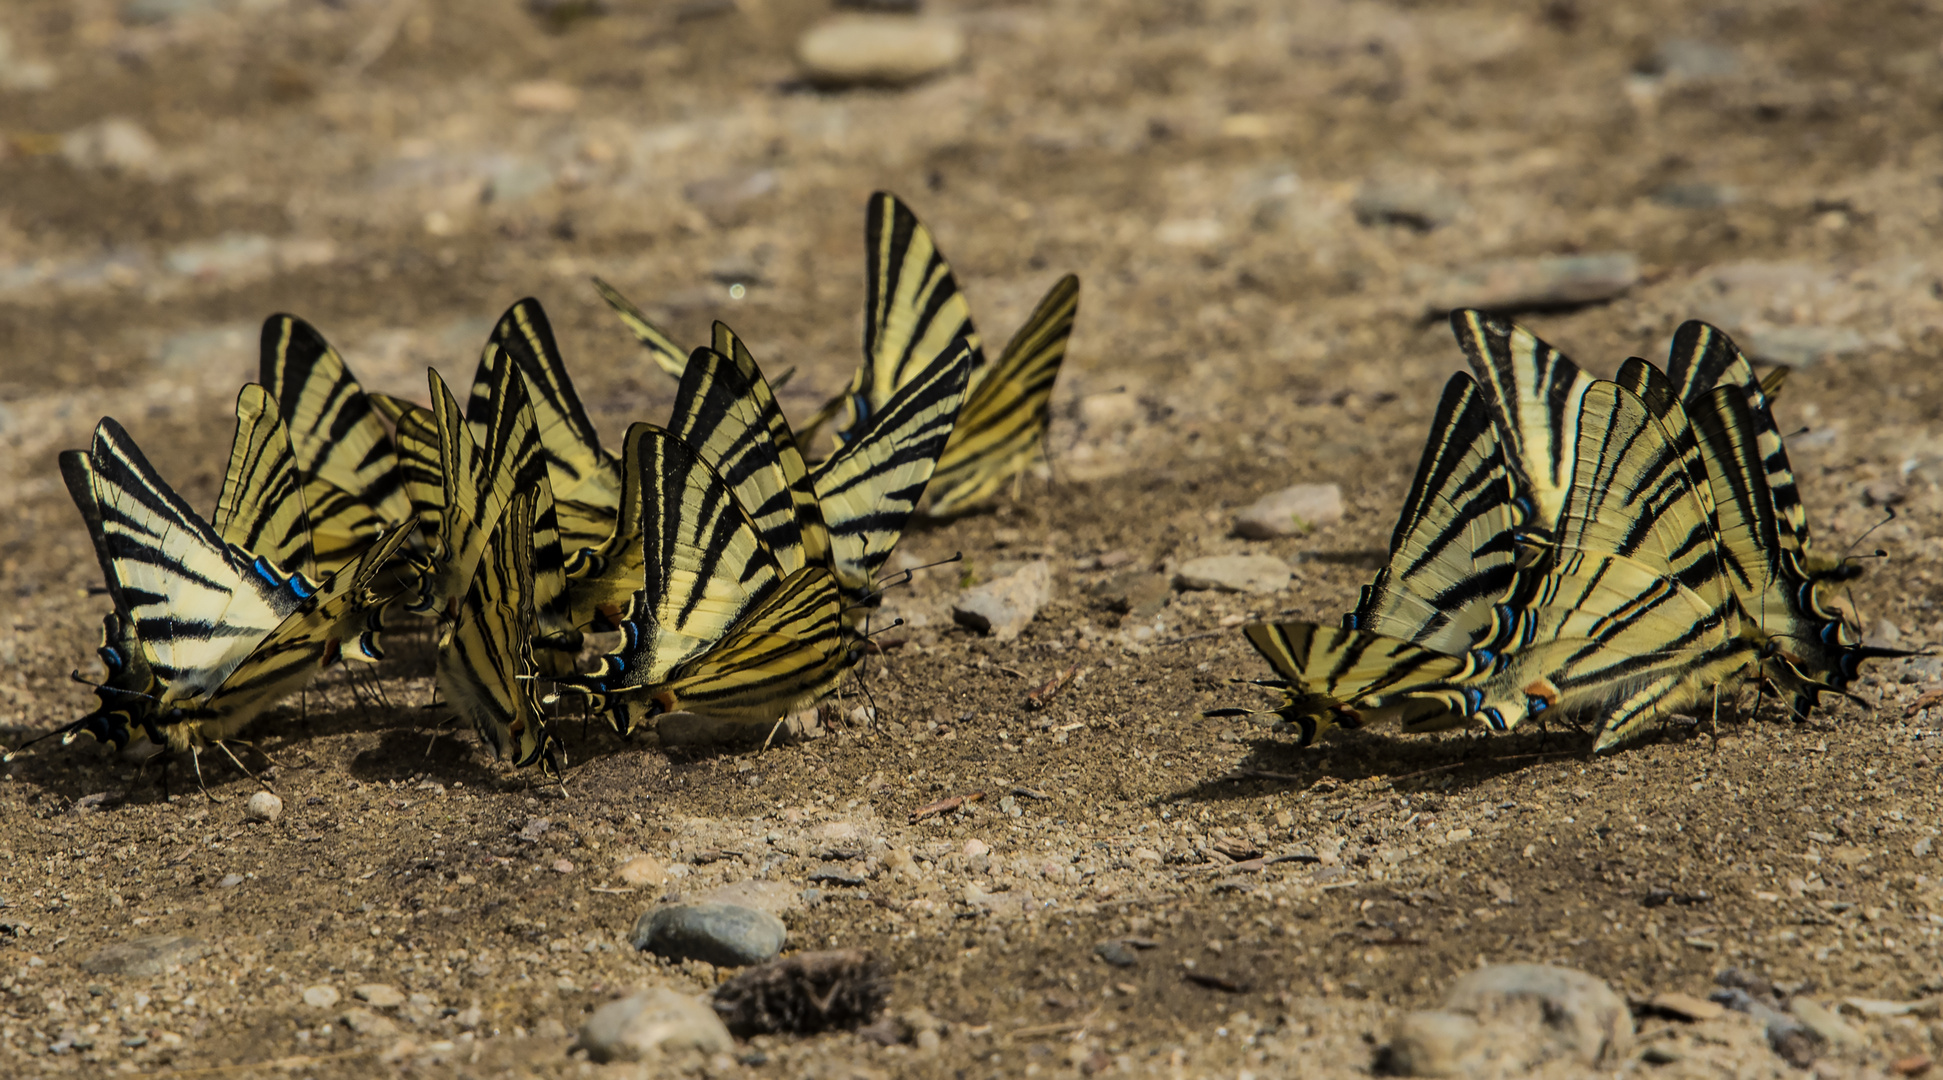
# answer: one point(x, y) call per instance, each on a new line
point(1450, 761)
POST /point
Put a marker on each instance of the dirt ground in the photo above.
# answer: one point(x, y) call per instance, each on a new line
point(172, 171)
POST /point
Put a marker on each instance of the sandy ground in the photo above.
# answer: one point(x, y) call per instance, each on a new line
point(174, 172)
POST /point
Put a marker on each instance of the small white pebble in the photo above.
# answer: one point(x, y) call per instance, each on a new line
point(263, 806)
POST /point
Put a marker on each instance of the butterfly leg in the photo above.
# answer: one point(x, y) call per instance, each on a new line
point(195, 758)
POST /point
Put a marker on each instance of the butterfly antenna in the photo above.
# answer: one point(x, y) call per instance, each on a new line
point(1888, 515)
point(223, 744)
point(85, 681)
point(901, 578)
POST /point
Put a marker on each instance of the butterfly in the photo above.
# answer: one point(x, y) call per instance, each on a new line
point(717, 627)
point(1780, 580)
point(485, 666)
point(222, 633)
point(352, 491)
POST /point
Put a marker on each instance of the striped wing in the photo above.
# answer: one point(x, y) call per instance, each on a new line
point(1453, 554)
point(352, 490)
point(702, 567)
point(311, 638)
point(1535, 394)
point(128, 691)
point(726, 415)
point(198, 605)
point(669, 356)
point(1812, 647)
point(1703, 357)
point(417, 435)
point(1325, 671)
point(786, 653)
point(261, 509)
point(1636, 594)
point(586, 479)
point(869, 488)
point(485, 665)
point(476, 480)
point(913, 314)
point(1002, 429)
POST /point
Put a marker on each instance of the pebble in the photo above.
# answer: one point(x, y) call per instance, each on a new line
point(263, 806)
point(641, 870)
point(976, 847)
point(835, 873)
point(146, 955)
point(379, 995)
point(1001, 608)
point(650, 1023)
point(1686, 58)
point(884, 50)
point(116, 144)
point(229, 881)
point(562, 866)
point(535, 828)
point(1292, 511)
point(320, 996)
point(545, 96)
point(1136, 592)
point(1687, 1006)
point(1537, 1012)
point(1822, 1021)
point(1421, 203)
point(366, 1022)
point(726, 935)
point(1787, 1035)
point(1431, 1042)
point(1116, 953)
point(1233, 573)
point(1549, 281)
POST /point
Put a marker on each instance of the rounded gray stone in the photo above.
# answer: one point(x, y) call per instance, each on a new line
point(1580, 1014)
point(1233, 573)
point(1291, 511)
point(726, 935)
point(651, 1023)
point(885, 50)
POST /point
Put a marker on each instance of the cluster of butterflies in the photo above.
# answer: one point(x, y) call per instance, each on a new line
point(1618, 550)
point(736, 571)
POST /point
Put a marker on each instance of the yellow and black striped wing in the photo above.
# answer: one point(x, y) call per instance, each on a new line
point(485, 665)
point(726, 415)
point(586, 479)
point(1535, 392)
point(913, 314)
point(352, 490)
point(417, 436)
point(869, 488)
point(127, 692)
point(1454, 552)
point(1002, 428)
point(786, 653)
point(476, 478)
point(1328, 673)
point(261, 508)
point(667, 355)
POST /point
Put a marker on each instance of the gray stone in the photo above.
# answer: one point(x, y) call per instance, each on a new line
point(652, 1023)
point(1233, 573)
point(884, 50)
point(1432, 1042)
point(380, 995)
point(1291, 511)
point(1421, 203)
point(366, 1022)
point(1686, 58)
point(1001, 608)
point(263, 806)
point(1580, 1015)
point(320, 996)
point(836, 873)
point(158, 11)
point(1886, 635)
point(1550, 281)
point(1795, 1041)
point(146, 955)
point(1116, 953)
point(726, 935)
